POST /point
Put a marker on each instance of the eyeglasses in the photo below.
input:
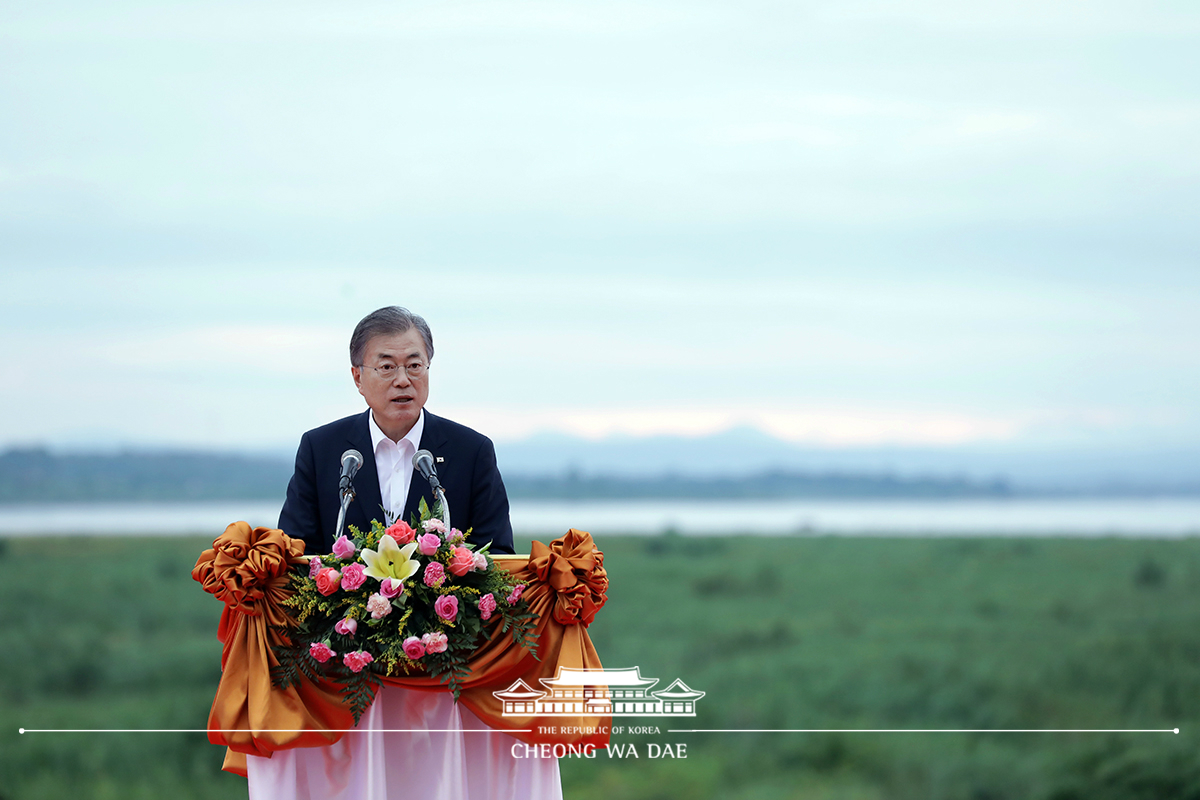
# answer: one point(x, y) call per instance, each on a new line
point(388, 371)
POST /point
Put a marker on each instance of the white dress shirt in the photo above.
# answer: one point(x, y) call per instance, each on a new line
point(393, 462)
point(389, 757)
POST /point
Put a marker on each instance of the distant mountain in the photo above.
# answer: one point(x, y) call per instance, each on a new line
point(738, 463)
point(37, 475)
point(765, 485)
point(734, 451)
point(742, 451)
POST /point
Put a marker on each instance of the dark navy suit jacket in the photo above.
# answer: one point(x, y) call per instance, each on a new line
point(467, 471)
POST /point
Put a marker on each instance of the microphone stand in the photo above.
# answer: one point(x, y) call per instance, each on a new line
point(441, 495)
point(423, 463)
point(347, 492)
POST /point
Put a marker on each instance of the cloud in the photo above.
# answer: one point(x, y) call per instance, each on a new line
point(847, 221)
point(266, 349)
point(818, 426)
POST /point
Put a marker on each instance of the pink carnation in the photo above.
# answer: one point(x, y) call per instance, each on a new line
point(446, 607)
point(462, 561)
point(390, 587)
point(434, 526)
point(379, 606)
point(515, 594)
point(320, 651)
point(435, 642)
point(455, 536)
point(353, 576)
point(414, 648)
point(480, 562)
point(435, 574)
point(314, 566)
point(328, 580)
point(346, 627)
point(343, 548)
point(487, 604)
point(357, 660)
point(428, 543)
point(401, 532)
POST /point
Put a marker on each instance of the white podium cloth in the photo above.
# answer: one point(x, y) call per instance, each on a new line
point(428, 764)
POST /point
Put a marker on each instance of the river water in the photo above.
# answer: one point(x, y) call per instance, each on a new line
point(1163, 517)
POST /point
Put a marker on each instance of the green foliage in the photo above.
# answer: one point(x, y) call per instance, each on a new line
point(292, 664)
point(425, 512)
point(521, 624)
point(359, 691)
point(450, 667)
point(840, 632)
point(108, 633)
point(780, 632)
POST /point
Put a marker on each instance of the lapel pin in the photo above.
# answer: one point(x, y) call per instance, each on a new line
point(440, 459)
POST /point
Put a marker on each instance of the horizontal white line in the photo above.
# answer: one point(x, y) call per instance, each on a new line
point(923, 730)
point(669, 730)
point(265, 730)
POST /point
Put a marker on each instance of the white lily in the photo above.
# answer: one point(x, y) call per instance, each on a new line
point(390, 560)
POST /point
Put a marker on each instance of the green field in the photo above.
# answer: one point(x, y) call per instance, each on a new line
point(780, 633)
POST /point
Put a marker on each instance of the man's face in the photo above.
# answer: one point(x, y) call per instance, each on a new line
point(396, 401)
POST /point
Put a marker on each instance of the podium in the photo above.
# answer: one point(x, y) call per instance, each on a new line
point(250, 570)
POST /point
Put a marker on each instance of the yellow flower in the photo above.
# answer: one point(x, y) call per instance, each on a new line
point(390, 560)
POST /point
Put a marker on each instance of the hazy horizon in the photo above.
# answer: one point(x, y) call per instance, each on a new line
point(739, 453)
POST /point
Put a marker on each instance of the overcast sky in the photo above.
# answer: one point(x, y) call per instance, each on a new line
point(845, 223)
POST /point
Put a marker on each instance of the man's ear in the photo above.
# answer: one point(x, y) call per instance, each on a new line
point(356, 373)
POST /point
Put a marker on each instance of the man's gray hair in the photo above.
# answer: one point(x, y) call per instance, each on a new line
point(385, 322)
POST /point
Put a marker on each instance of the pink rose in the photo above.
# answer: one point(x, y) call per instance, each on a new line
point(480, 562)
point(346, 627)
point(428, 544)
point(390, 587)
point(353, 576)
point(343, 548)
point(320, 651)
point(435, 642)
point(435, 574)
point(487, 604)
point(413, 648)
point(515, 594)
point(401, 532)
point(434, 525)
point(455, 536)
point(462, 561)
point(314, 566)
point(357, 660)
point(446, 607)
point(328, 580)
point(379, 606)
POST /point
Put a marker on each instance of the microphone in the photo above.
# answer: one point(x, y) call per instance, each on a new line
point(423, 463)
point(351, 461)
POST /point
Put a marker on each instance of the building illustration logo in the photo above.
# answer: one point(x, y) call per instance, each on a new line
point(607, 692)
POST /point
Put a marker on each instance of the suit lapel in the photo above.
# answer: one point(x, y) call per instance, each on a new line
point(433, 438)
point(368, 500)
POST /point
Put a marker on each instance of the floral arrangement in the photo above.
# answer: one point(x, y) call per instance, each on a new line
point(397, 600)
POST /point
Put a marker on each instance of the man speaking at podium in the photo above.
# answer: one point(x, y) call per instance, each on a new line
point(390, 352)
point(409, 743)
